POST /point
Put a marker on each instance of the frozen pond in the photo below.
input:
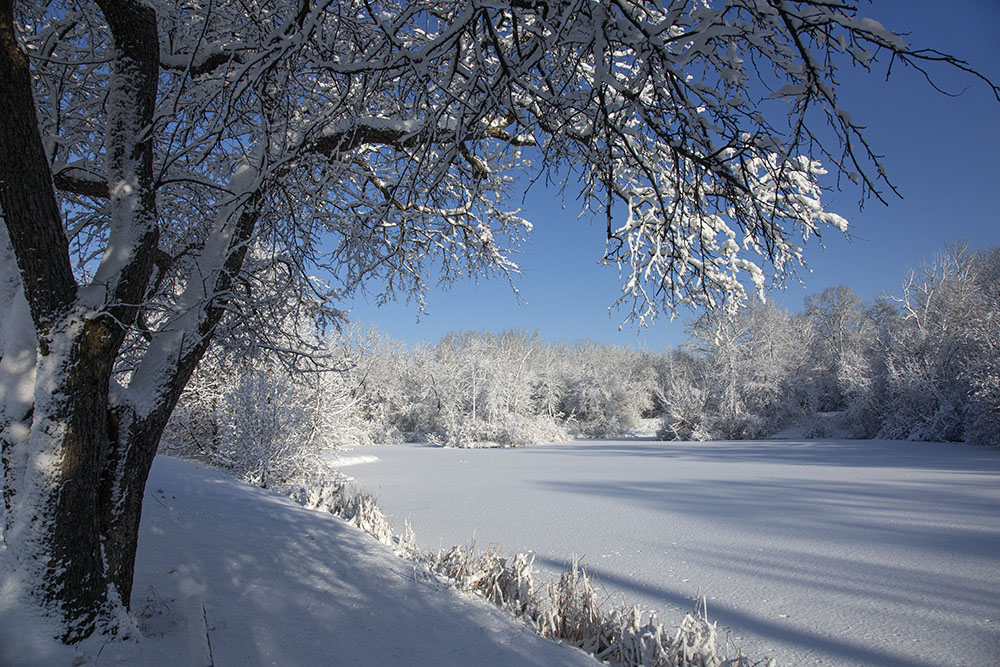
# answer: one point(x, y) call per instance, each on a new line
point(827, 552)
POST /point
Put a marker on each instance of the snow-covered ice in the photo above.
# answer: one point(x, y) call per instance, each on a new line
point(230, 574)
point(838, 552)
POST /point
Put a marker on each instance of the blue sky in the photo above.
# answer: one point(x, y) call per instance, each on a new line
point(942, 153)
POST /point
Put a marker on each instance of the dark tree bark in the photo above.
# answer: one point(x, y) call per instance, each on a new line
point(63, 535)
point(26, 191)
point(85, 505)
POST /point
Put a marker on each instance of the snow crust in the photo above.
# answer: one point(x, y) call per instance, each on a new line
point(230, 574)
point(835, 552)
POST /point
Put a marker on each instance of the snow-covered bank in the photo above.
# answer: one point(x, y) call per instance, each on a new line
point(823, 552)
point(235, 575)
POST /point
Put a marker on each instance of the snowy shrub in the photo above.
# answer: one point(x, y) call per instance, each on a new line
point(571, 610)
point(824, 425)
point(507, 583)
point(862, 420)
point(267, 419)
point(264, 424)
point(535, 430)
point(394, 389)
point(744, 426)
point(513, 431)
point(358, 508)
point(507, 390)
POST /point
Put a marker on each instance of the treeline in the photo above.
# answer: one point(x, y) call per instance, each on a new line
point(924, 365)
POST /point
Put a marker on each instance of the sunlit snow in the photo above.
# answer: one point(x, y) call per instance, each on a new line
point(832, 552)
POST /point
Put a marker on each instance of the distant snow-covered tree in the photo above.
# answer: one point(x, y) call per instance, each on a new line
point(943, 361)
point(838, 328)
point(864, 375)
point(608, 390)
point(157, 158)
point(684, 393)
point(484, 391)
point(752, 361)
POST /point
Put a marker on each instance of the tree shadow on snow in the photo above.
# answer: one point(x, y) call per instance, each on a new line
point(956, 457)
point(280, 584)
point(736, 622)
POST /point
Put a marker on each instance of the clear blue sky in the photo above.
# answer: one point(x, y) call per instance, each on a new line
point(942, 153)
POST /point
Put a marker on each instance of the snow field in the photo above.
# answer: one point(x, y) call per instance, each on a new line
point(230, 574)
point(812, 552)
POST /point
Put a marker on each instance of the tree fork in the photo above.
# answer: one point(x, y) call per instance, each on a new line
point(134, 439)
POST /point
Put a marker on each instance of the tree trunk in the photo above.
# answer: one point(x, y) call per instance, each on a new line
point(126, 469)
point(76, 446)
point(54, 533)
point(66, 463)
point(120, 499)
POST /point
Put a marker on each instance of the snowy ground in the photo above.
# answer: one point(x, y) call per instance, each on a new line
point(829, 552)
point(228, 574)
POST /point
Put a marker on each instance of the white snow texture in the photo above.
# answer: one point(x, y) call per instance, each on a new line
point(811, 552)
point(230, 574)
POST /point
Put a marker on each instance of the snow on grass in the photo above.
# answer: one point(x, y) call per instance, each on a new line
point(838, 552)
point(229, 574)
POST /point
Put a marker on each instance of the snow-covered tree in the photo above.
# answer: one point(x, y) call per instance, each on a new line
point(684, 396)
point(486, 385)
point(751, 364)
point(838, 330)
point(943, 361)
point(160, 160)
point(608, 388)
point(469, 389)
point(864, 378)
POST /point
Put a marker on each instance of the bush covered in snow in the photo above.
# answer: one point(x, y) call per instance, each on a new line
point(268, 418)
point(358, 508)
